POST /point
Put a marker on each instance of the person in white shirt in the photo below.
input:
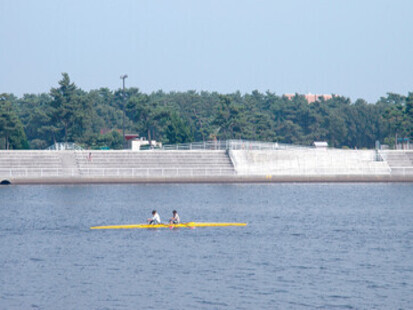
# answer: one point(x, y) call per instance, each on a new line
point(175, 218)
point(155, 219)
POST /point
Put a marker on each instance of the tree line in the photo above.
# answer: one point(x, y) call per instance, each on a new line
point(95, 120)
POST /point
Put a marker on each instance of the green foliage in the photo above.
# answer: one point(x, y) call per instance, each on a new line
point(111, 140)
point(94, 119)
point(64, 106)
point(396, 116)
point(12, 134)
point(177, 131)
point(37, 121)
point(409, 115)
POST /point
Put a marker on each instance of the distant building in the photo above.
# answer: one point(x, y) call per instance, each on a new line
point(131, 136)
point(311, 97)
point(320, 144)
point(136, 143)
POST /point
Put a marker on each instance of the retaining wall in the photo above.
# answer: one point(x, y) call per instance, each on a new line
point(309, 162)
point(301, 165)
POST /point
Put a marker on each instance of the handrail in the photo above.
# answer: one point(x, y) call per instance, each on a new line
point(402, 170)
point(174, 172)
point(226, 145)
point(113, 172)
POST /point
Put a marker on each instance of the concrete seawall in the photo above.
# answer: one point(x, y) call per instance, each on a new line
point(207, 166)
point(233, 179)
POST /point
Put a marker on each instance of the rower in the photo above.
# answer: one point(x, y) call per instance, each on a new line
point(175, 218)
point(155, 218)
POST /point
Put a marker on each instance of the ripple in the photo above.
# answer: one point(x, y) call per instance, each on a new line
point(298, 252)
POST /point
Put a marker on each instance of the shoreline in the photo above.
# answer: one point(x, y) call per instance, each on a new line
point(305, 165)
point(221, 179)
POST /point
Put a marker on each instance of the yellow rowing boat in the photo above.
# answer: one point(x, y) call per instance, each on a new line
point(181, 225)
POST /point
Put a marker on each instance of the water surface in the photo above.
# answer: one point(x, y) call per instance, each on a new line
point(306, 246)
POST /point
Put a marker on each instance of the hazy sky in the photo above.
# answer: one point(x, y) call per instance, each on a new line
point(359, 49)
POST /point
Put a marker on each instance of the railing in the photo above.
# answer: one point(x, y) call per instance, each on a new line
point(186, 172)
point(232, 145)
point(112, 172)
point(402, 170)
point(62, 146)
point(311, 171)
point(257, 145)
point(207, 145)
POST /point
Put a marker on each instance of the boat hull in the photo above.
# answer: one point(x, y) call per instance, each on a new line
point(181, 225)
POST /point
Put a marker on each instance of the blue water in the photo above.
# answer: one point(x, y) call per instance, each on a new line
point(306, 246)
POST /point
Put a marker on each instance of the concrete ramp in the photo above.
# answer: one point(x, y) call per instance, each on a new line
point(308, 162)
point(399, 161)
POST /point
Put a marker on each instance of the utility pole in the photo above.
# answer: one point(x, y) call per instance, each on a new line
point(123, 77)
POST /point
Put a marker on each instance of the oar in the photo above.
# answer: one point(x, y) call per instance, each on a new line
point(189, 225)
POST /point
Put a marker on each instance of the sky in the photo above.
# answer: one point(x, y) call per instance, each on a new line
point(354, 48)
